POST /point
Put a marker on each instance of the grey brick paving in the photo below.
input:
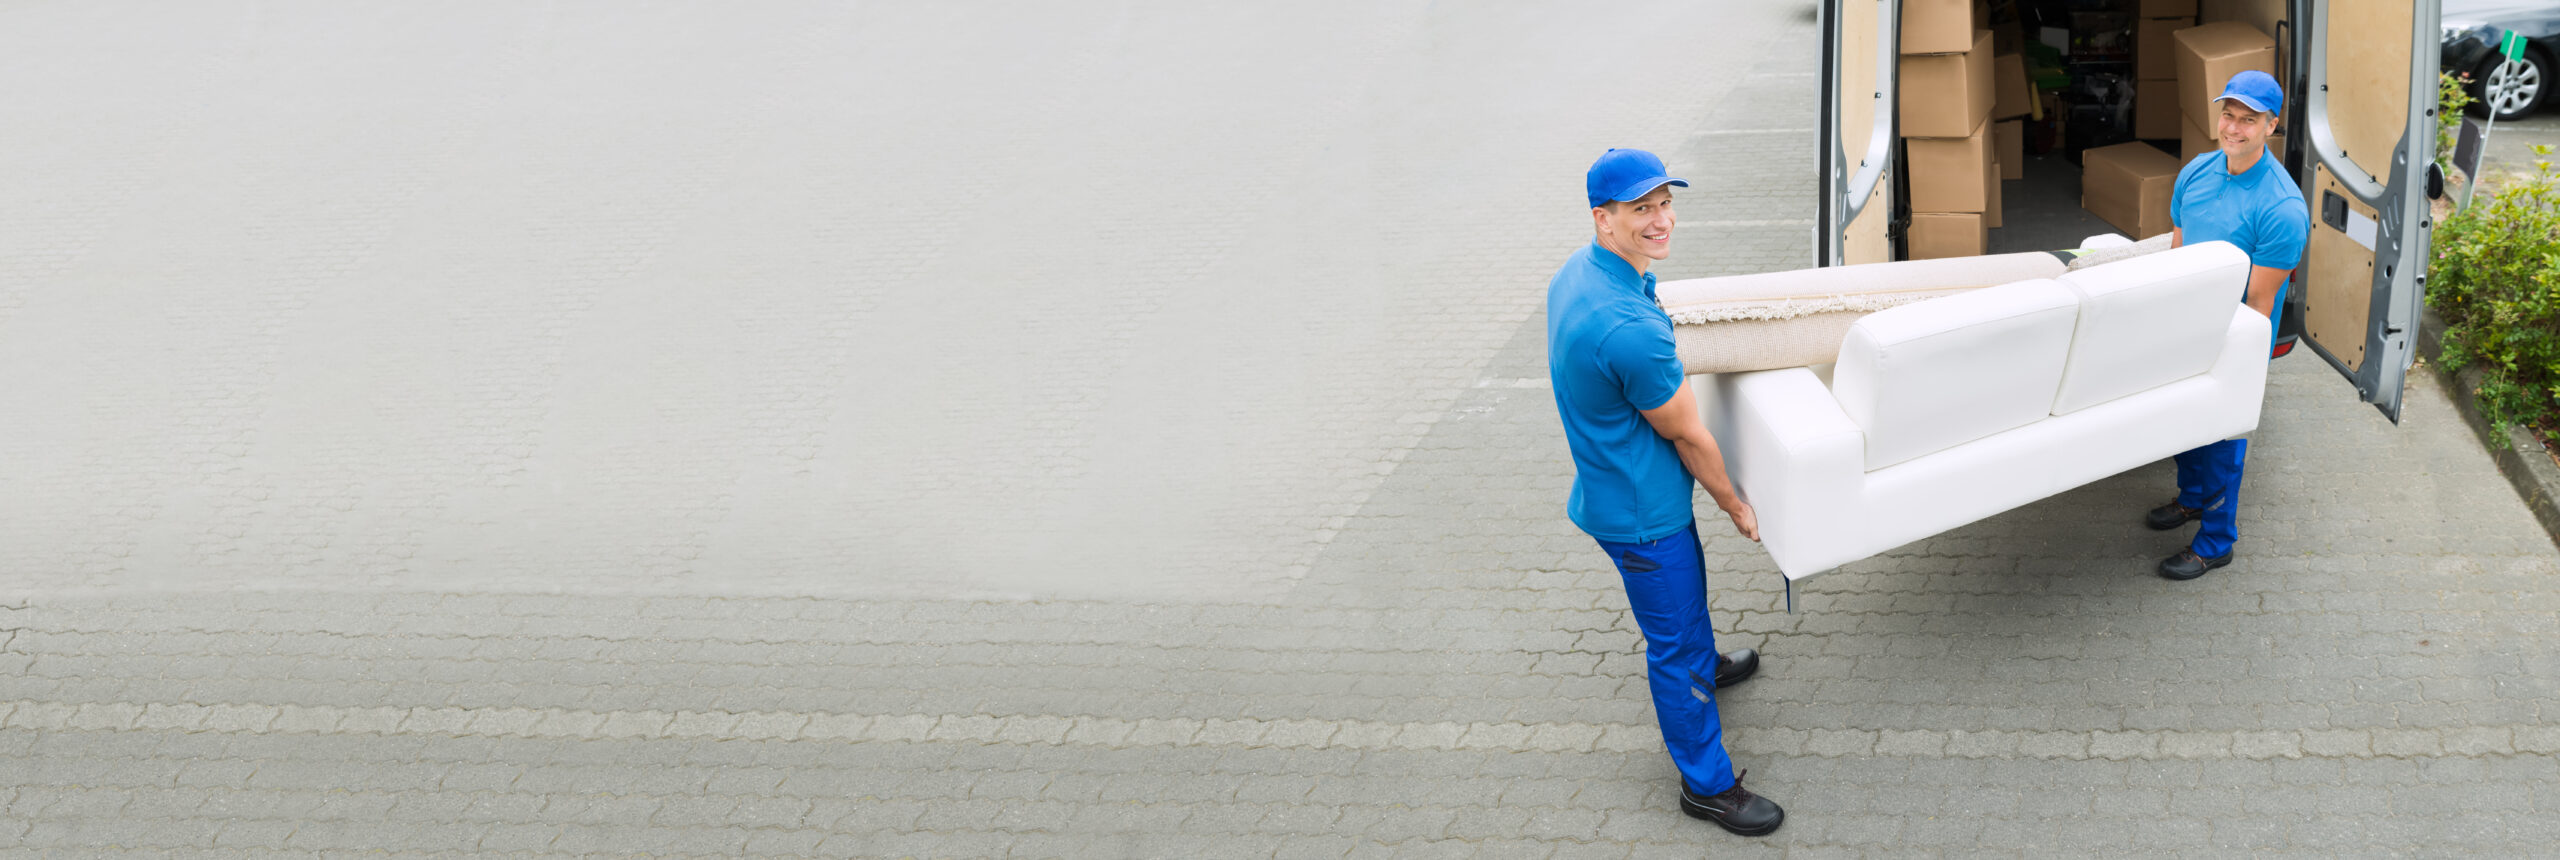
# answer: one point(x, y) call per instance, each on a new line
point(1085, 430)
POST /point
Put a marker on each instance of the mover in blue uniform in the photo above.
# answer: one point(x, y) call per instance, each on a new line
point(1638, 446)
point(2239, 194)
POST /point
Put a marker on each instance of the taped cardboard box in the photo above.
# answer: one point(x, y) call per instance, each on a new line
point(1938, 235)
point(2209, 55)
point(1946, 95)
point(2127, 185)
point(1939, 26)
point(1947, 173)
point(2011, 94)
point(2155, 110)
point(2155, 47)
point(2009, 147)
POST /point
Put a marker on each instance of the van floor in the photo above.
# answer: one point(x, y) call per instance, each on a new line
point(2041, 211)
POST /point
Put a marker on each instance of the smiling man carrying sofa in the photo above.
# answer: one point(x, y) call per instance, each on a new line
point(1638, 445)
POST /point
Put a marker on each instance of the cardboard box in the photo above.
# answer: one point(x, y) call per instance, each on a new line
point(1991, 189)
point(2209, 55)
point(1939, 26)
point(2155, 47)
point(1947, 172)
point(2265, 15)
point(1946, 95)
point(1937, 235)
point(2193, 141)
point(2155, 110)
point(2169, 8)
point(2011, 94)
point(2009, 147)
point(2128, 186)
point(2262, 14)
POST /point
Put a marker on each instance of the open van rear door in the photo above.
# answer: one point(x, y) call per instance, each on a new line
point(1860, 50)
point(2368, 90)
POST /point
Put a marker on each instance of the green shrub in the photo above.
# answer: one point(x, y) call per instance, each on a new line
point(2451, 98)
point(2495, 280)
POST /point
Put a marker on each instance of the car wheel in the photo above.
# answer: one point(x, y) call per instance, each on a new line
point(2515, 89)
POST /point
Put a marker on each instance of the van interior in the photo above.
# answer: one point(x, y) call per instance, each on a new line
point(2031, 125)
point(2098, 73)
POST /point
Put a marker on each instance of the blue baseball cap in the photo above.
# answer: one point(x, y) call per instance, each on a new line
point(1625, 174)
point(2256, 89)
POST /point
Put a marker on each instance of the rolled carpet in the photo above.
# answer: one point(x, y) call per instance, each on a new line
point(2129, 250)
point(1797, 318)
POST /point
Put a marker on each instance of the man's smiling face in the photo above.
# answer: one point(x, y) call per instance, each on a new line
point(1639, 227)
point(2240, 131)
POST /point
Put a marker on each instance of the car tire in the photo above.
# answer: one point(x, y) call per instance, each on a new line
point(2534, 74)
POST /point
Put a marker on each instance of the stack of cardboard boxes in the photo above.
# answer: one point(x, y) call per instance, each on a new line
point(2155, 66)
point(1962, 76)
point(1945, 113)
point(2178, 69)
point(2013, 98)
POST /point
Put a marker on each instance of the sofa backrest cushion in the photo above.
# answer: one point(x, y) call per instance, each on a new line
point(1929, 376)
point(2149, 321)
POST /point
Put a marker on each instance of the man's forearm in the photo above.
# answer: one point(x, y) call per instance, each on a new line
point(2262, 298)
point(1705, 463)
point(2264, 283)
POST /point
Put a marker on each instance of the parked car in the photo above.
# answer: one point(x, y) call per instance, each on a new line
point(2472, 30)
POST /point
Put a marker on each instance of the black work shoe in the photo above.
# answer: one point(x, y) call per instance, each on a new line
point(2171, 515)
point(2188, 565)
point(1736, 666)
point(1737, 809)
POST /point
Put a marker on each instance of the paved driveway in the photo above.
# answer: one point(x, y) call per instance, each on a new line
point(970, 429)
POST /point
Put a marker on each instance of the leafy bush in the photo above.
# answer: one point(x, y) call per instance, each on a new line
point(2495, 280)
point(2451, 98)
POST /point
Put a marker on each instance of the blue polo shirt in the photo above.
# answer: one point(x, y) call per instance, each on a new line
point(2260, 211)
point(1609, 355)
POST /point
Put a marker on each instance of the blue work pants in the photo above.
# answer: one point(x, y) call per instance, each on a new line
point(1667, 586)
point(2209, 478)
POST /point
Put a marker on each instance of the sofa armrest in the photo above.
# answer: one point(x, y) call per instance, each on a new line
point(2243, 366)
point(1793, 453)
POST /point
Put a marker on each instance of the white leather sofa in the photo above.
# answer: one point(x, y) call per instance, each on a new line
point(1950, 410)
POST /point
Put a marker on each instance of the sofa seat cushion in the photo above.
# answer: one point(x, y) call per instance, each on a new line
point(1925, 377)
point(2149, 321)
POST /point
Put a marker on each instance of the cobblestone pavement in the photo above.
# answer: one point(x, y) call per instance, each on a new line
point(972, 429)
